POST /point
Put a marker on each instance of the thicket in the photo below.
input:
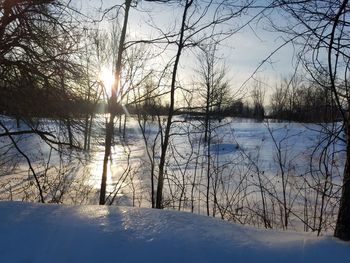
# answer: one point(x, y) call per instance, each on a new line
point(303, 101)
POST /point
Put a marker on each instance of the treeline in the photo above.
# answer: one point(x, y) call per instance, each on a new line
point(235, 108)
point(303, 101)
point(293, 100)
point(29, 101)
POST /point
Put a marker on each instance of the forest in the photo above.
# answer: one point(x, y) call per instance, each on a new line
point(113, 103)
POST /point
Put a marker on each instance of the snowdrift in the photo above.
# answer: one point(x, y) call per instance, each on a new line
point(32, 232)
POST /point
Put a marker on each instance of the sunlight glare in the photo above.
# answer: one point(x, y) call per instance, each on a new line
point(106, 76)
point(114, 170)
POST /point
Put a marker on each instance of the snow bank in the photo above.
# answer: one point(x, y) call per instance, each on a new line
point(55, 233)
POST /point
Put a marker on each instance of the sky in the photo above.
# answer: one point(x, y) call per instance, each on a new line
point(242, 53)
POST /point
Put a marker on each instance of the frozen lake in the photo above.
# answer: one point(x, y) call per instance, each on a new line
point(256, 172)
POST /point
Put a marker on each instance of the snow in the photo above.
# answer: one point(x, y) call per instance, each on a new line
point(243, 155)
point(223, 148)
point(33, 232)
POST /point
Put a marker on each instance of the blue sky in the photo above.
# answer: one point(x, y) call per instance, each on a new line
point(241, 53)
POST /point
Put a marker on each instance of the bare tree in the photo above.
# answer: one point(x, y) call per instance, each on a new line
point(213, 83)
point(214, 90)
point(195, 22)
point(321, 30)
point(258, 97)
point(38, 65)
point(113, 103)
point(165, 142)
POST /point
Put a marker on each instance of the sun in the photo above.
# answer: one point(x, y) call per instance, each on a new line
point(107, 78)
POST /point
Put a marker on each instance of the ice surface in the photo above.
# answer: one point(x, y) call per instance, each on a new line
point(56, 233)
point(223, 148)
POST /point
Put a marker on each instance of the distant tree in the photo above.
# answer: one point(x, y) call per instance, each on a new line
point(93, 57)
point(213, 84)
point(213, 88)
point(297, 99)
point(258, 97)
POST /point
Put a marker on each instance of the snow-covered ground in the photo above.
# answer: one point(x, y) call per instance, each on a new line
point(260, 173)
point(56, 233)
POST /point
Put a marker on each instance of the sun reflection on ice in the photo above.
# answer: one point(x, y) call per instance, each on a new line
point(123, 170)
point(115, 169)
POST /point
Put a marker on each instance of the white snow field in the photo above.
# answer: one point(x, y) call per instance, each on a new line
point(32, 232)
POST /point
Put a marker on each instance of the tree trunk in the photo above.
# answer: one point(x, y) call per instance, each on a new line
point(113, 106)
point(342, 229)
point(208, 169)
point(159, 197)
point(207, 112)
point(87, 118)
point(70, 133)
point(108, 146)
